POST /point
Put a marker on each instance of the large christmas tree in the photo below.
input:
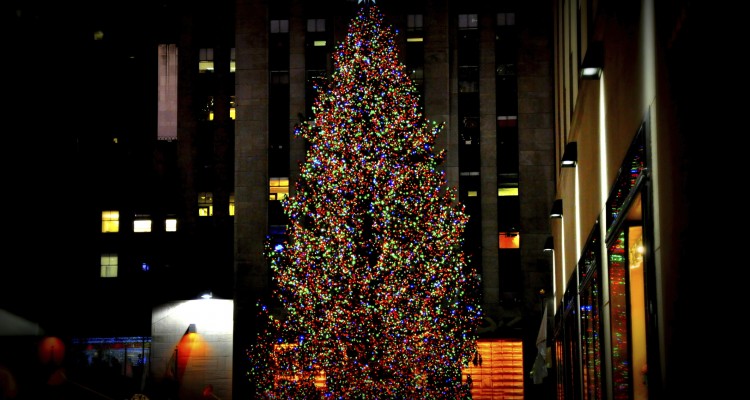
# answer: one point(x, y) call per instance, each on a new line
point(377, 300)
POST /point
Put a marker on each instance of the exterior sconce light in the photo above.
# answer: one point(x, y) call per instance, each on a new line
point(557, 209)
point(570, 156)
point(549, 244)
point(593, 61)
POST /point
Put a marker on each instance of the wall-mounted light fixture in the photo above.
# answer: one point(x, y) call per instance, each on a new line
point(557, 209)
point(549, 244)
point(570, 156)
point(593, 61)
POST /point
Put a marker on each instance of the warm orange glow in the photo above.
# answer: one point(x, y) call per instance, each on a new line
point(509, 240)
point(191, 346)
point(498, 372)
point(51, 350)
point(320, 377)
point(637, 311)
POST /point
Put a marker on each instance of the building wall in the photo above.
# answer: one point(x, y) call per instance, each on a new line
point(139, 173)
point(640, 90)
point(192, 348)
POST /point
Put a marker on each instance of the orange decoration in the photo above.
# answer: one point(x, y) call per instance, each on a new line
point(51, 350)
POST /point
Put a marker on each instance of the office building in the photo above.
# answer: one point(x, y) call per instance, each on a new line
point(159, 140)
point(186, 148)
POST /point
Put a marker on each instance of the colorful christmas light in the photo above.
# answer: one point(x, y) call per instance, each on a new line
point(377, 299)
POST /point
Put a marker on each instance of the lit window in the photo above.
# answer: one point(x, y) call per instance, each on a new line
point(506, 19)
point(108, 265)
point(232, 61)
point(278, 188)
point(232, 107)
point(467, 21)
point(208, 109)
point(414, 28)
point(509, 240)
point(205, 204)
point(206, 60)
point(473, 193)
point(279, 26)
point(507, 191)
point(316, 25)
point(110, 221)
point(170, 225)
point(497, 360)
point(231, 205)
point(142, 223)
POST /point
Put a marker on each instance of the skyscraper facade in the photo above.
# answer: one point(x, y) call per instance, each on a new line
point(190, 147)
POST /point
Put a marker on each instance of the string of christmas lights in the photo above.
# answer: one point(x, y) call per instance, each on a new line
point(377, 298)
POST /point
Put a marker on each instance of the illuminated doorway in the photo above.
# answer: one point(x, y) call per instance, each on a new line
point(497, 371)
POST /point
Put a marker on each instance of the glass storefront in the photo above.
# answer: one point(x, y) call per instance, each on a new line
point(591, 368)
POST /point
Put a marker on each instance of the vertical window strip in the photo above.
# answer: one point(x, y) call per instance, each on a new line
point(206, 60)
point(205, 204)
point(278, 188)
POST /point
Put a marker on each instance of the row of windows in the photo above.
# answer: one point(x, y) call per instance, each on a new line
point(501, 191)
point(110, 263)
point(471, 21)
point(141, 223)
point(206, 60)
point(278, 189)
point(209, 107)
point(206, 54)
point(414, 23)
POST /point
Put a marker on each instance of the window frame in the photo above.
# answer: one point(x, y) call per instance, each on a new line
point(109, 263)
